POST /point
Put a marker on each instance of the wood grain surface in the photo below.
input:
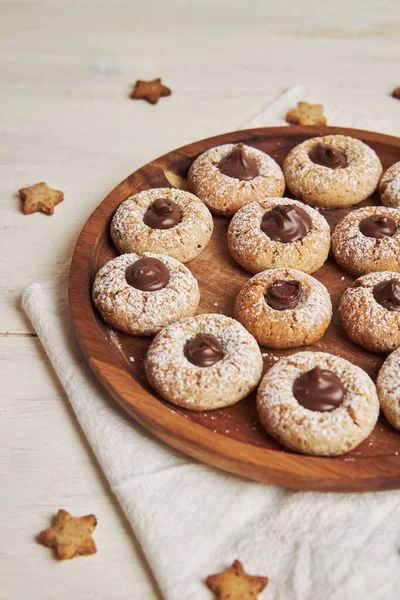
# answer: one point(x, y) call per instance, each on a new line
point(66, 119)
point(229, 438)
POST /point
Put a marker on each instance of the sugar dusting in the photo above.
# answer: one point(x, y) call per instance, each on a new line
point(314, 308)
point(221, 192)
point(132, 310)
point(331, 432)
point(388, 385)
point(247, 238)
point(174, 377)
point(359, 178)
point(389, 186)
point(130, 233)
point(351, 247)
point(364, 318)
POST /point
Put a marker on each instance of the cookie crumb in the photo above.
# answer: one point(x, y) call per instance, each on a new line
point(306, 114)
point(151, 91)
point(234, 582)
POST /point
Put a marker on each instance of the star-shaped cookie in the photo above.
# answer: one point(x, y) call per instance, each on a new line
point(40, 198)
point(70, 536)
point(149, 90)
point(306, 114)
point(235, 584)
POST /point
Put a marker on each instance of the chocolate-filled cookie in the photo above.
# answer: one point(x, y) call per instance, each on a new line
point(332, 171)
point(317, 403)
point(368, 240)
point(370, 311)
point(389, 186)
point(204, 362)
point(228, 177)
point(388, 386)
point(284, 308)
point(140, 295)
point(279, 233)
point(164, 221)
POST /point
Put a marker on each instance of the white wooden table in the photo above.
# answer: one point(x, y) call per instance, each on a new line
point(66, 68)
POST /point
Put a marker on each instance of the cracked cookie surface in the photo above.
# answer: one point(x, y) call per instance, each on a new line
point(301, 325)
point(389, 187)
point(225, 195)
point(255, 251)
point(365, 321)
point(184, 241)
point(388, 386)
point(138, 312)
point(359, 254)
point(224, 383)
point(332, 187)
point(329, 433)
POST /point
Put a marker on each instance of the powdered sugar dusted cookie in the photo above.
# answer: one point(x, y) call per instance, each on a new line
point(140, 295)
point(389, 187)
point(332, 171)
point(367, 240)
point(388, 386)
point(204, 362)
point(228, 177)
point(370, 311)
point(279, 232)
point(165, 221)
point(284, 308)
point(317, 403)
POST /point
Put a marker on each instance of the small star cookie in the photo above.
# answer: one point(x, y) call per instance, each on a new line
point(396, 93)
point(235, 584)
point(40, 198)
point(306, 114)
point(149, 90)
point(70, 536)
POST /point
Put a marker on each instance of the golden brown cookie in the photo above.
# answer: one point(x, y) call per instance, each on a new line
point(332, 171)
point(389, 187)
point(260, 236)
point(284, 308)
point(317, 403)
point(368, 240)
point(228, 177)
point(204, 362)
point(151, 91)
point(141, 295)
point(306, 114)
point(388, 386)
point(370, 311)
point(70, 536)
point(40, 198)
point(164, 221)
point(235, 584)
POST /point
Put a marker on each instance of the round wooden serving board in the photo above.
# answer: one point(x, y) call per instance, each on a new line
point(230, 438)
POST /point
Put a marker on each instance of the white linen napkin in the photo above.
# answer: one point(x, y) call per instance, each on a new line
point(193, 520)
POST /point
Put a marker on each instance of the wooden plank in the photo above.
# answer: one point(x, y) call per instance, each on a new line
point(46, 464)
